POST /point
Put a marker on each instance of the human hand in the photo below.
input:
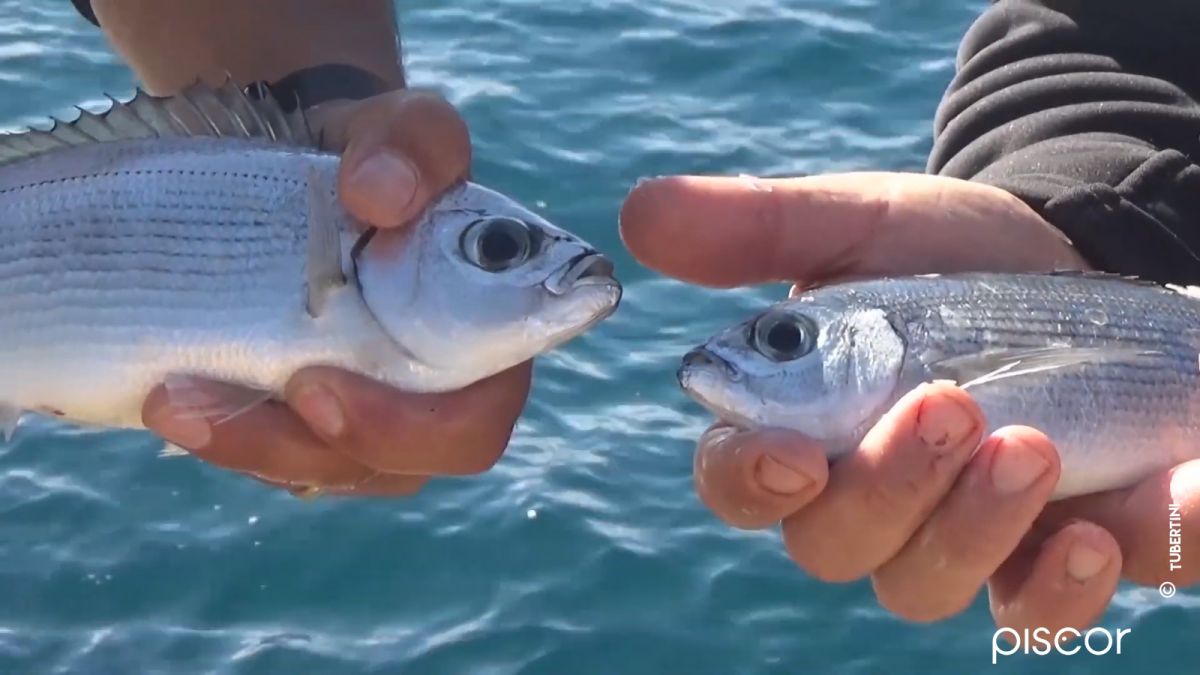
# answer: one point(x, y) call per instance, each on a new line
point(917, 509)
point(337, 431)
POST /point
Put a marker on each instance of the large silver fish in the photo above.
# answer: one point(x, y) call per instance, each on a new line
point(202, 235)
point(1107, 367)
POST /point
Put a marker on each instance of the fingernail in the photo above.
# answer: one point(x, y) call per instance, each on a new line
point(321, 410)
point(1016, 467)
point(387, 178)
point(943, 421)
point(1084, 562)
point(777, 477)
point(190, 433)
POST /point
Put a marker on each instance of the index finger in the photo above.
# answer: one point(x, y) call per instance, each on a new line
point(739, 231)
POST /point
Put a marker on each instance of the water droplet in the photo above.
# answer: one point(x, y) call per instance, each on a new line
point(531, 514)
point(1096, 316)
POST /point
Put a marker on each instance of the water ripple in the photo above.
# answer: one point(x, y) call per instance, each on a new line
point(586, 549)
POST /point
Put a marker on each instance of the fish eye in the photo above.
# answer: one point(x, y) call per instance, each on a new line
point(783, 336)
point(497, 244)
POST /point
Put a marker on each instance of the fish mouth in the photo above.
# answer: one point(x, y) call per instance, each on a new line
point(589, 268)
point(586, 283)
point(701, 359)
point(703, 376)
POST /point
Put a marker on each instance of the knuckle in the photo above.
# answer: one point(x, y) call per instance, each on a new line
point(819, 561)
point(917, 607)
point(422, 124)
point(911, 484)
point(436, 119)
point(427, 102)
point(896, 495)
point(1150, 565)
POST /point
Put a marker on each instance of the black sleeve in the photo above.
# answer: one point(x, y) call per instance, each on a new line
point(85, 8)
point(1088, 111)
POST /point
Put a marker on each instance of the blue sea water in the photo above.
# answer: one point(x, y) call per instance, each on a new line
point(585, 550)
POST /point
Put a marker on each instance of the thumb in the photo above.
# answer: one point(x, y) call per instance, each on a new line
point(400, 151)
point(741, 231)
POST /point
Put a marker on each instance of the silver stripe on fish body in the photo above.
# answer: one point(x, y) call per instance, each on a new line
point(201, 235)
point(1107, 367)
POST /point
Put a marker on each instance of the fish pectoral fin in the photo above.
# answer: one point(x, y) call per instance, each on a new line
point(213, 401)
point(10, 419)
point(972, 370)
point(324, 264)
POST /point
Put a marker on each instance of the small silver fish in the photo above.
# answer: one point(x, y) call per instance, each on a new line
point(1107, 367)
point(202, 235)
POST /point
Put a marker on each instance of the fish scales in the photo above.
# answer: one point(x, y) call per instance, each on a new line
point(151, 256)
point(1133, 410)
point(1139, 407)
point(204, 237)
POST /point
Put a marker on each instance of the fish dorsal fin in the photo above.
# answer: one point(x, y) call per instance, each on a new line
point(199, 110)
point(1191, 292)
point(1101, 275)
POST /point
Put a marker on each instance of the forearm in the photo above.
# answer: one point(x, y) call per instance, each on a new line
point(1089, 112)
point(172, 43)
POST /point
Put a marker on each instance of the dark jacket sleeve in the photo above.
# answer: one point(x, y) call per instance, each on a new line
point(1088, 111)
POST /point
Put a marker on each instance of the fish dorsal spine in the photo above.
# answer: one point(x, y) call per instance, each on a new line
point(226, 111)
